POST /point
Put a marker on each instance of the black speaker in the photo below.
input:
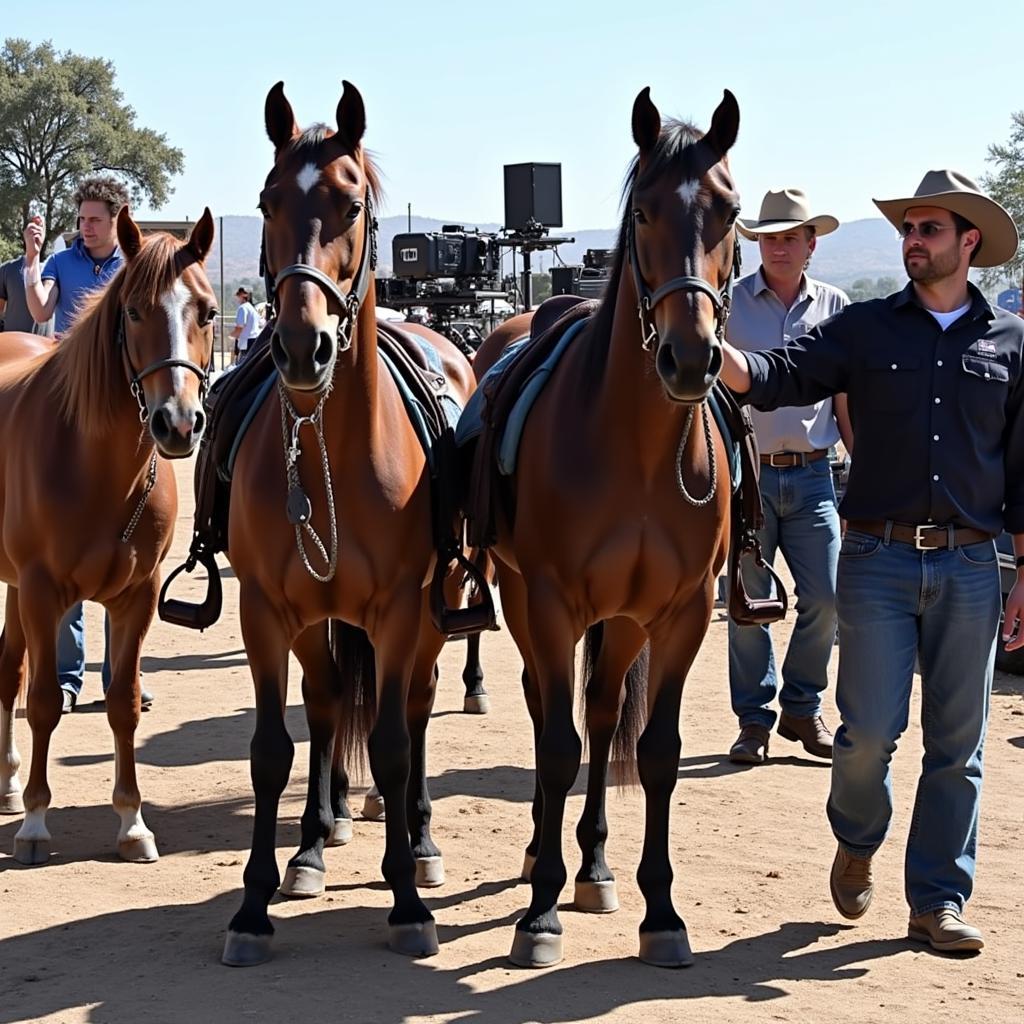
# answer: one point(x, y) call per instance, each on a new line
point(533, 192)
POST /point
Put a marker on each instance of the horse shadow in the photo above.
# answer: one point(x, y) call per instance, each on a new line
point(175, 949)
point(714, 766)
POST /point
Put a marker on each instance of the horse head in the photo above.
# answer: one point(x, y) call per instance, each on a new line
point(167, 329)
point(682, 245)
point(318, 236)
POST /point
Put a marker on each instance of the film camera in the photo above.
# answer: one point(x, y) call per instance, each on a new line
point(589, 279)
point(451, 252)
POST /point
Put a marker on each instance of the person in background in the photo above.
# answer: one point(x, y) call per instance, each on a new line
point(247, 324)
point(14, 312)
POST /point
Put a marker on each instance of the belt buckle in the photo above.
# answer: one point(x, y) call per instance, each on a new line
point(919, 539)
point(781, 455)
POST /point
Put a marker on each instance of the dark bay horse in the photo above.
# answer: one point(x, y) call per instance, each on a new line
point(331, 521)
point(87, 509)
point(616, 523)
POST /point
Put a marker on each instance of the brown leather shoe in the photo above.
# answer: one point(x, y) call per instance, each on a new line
point(751, 746)
point(945, 930)
point(851, 884)
point(812, 732)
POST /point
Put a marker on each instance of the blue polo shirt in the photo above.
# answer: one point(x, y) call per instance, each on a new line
point(77, 274)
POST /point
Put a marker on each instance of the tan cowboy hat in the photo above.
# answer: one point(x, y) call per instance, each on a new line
point(783, 211)
point(953, 191)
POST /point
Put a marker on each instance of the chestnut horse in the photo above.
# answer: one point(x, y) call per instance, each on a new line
point(616, 523)
point(87, 508)
point(331, 520)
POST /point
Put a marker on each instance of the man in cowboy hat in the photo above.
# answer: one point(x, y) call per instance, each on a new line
point(776, 303)
point(936, 392)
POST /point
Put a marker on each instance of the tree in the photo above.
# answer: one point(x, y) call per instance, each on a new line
point(864, 288)
point(61, 118)
point(1006, 186)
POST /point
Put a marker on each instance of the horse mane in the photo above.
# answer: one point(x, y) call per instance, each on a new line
point(88, 364)
point(305, 147)
point(675, 139)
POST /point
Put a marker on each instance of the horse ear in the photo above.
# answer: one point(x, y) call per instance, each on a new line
point(725, 125)
point(201, 240)
point(351, 116)
point(129, 237)
point(279, 118)
point(646, 121)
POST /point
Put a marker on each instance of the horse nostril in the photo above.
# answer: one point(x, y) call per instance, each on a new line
point(199, 424)
point(159, 426)
point(665, 363)
point(715, 362)
point(324, 349)
point(278, 351)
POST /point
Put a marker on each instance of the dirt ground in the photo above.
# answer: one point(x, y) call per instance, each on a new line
point(89, 938)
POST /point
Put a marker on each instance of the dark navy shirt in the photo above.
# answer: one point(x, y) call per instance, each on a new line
point(77, 274)
point(937, 415)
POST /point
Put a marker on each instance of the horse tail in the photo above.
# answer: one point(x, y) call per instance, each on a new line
point(631, 715)
point(354, 656)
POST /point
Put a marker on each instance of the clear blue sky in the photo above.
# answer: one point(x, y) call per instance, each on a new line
point(849, 101)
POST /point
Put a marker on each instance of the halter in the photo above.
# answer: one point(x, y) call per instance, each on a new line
point(348, 303)
point(647, 300)
point(135, 377)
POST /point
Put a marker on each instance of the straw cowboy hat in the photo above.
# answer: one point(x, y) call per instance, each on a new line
point(783, 211)
point(953, 191)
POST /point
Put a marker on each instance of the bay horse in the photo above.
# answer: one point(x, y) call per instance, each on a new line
point(331, 521)
point(86, 506)
point(615, 524)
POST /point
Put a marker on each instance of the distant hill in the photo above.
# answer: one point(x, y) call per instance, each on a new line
point(861, 248)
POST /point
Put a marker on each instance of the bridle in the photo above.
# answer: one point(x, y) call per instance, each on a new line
point(136, 377)
point(349, 303)
point(648, 300)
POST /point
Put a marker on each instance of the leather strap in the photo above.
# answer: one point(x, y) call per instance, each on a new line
point(786, 460)
point(927, 537)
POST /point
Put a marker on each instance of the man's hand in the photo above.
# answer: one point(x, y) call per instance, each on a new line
point(1013, 632)
point(33, 240)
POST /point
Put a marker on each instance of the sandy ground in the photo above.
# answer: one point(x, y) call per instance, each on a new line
point(89, 938)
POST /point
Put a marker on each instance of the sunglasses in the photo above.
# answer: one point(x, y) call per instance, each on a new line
point(929, 229)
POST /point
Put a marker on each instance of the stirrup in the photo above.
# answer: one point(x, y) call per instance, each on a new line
point(755, 611)
point(185, 613)
point(454, 623)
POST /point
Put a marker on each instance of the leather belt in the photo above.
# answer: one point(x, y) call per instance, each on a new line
point(926, 537)
point(786, 460)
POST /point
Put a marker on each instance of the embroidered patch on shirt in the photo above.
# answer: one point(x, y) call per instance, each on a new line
point(986, 348)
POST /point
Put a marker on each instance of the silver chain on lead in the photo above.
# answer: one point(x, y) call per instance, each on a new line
point(137, 514)
point(291, 457)
point(697, 502)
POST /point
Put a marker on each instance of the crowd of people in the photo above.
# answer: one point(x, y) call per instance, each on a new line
point(924, 389)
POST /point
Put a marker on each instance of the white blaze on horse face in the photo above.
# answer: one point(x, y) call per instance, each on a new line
point(308, 177)
point(174, 302)
point(688, 191)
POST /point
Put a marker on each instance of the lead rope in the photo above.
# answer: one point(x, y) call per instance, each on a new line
point(299, 508)
point(697, 502)
point(137, 514)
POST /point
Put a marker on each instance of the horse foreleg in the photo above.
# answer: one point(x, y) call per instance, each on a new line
point(538, 937)
point(476, 700)
point(411, 925)
point(130, 616)
point(621, 641)
point(341, 831)
point(321, 694)
point(249, 934)
point(422, 689)
point(12, 674)
point(674, 644)
point(41, 608)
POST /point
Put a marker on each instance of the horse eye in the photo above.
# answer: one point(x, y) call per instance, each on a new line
point(133, 314)
point(211, 316)
point(354, 210)
point(638, 215)
point(732, 216)
point(262, 207)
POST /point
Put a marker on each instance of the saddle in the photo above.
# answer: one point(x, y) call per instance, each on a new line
point(231, 405)
point(501, 391)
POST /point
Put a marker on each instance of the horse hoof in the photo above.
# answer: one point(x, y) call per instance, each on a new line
point(244, 950)
point(31, 852)
point(666, 949)
point(429, 872)
point(477, 704)
point(138, 851)
point(596, 897)
point(302, 883)
point(341, 833)
point(373, 807)
point(419, 939)
point(528, 861)
point(541, 949)
point(11, 803)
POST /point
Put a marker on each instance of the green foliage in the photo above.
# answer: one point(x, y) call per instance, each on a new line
point(1006, 186)
point(62, 118)
point(864, 288)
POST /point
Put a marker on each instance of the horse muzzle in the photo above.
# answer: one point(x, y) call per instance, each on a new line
point(304, 357)
point(688, 370)
point(176, 427)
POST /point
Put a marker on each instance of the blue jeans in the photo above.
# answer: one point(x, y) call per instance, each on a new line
point(942, 607)
point(801, 521)
point(71, 650)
